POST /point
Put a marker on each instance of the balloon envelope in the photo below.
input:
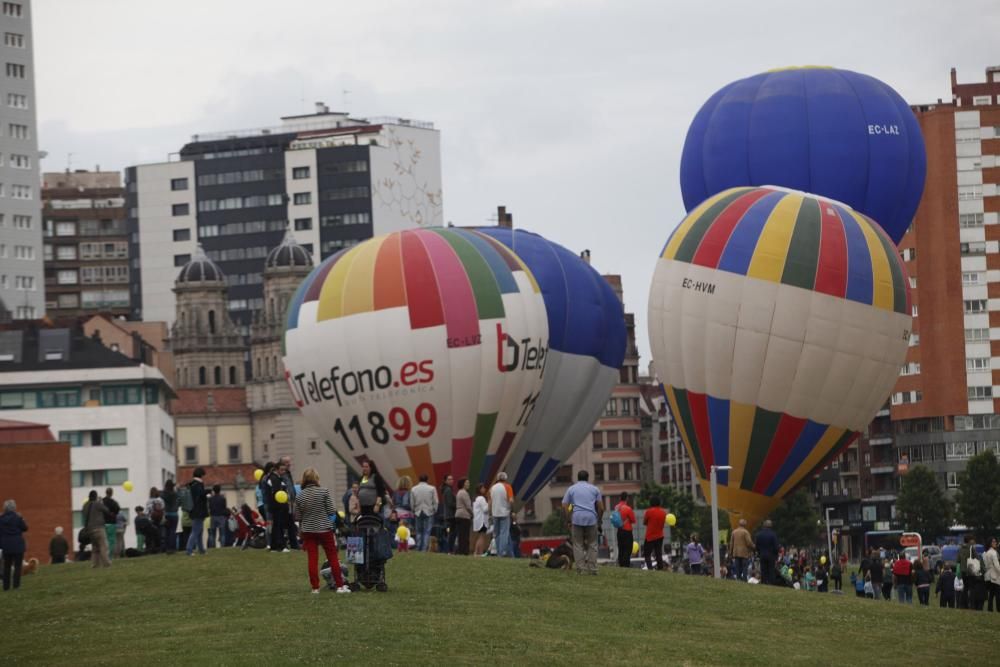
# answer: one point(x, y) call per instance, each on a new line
point(778, 323)
point(587, 341)
point(835, 133)
point(420, 351)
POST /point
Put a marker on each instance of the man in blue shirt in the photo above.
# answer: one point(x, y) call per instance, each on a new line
point(586, 506)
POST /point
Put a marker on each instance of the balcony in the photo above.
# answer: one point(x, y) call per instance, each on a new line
point(880, 440)
point(882, 469)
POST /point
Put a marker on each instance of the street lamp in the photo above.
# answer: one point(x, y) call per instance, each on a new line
point(829, 539)
point(715, 520)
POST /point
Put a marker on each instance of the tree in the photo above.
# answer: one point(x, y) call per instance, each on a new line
point(796, 520)
point(977, 497)
point(923, 505)
point(555, 524)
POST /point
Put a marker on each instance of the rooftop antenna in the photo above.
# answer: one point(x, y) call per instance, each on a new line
point(344, 93)
point(69, 162)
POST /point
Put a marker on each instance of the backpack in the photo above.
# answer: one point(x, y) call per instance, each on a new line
point(974, 566)
point(185, 499)
point(616, 519)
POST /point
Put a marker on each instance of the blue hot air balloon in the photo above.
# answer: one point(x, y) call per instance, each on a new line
point(830, 132)
point(586, 349)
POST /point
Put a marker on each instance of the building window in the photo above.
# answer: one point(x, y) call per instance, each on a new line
point(202, 378)
point(613, 472)
point(973, 248)
point(980, 393)
point(981, 100)
point(300, 172)
point(977, 335)
point(20, 191)
point(181, 260)
point(182, 235)
point(977, 364)
point(611, 409)
point(970, 220)
point(180, 209)
point(13, 39)
point(975, 305)
point(20, 221)
point(301, 198)
point(908, 254)
point(952, 480)
point(67, 277)
point(218, 375)
point(966, 192)
point(66, 252)
point(612, 437)
point(17, 101)
point(190, 455)
point(971, 277)
point(178, 184)
point(232, 375)
point(960, 450)
point(20, 161)
point(344, 219)
point(598, 472)
point(234, 453)
point(18, 131)
point(302, 224)
point(12, 9)
point(15, 71)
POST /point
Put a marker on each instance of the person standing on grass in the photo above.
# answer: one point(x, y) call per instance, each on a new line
point(111, 521)
point(260, 493)
point(95, 515)
point(902, 580)
point(623, 534)
point(481, 520)
point(991, 574)
point(12, 529)
point(293, 539)
point(171, 515)
point(218, 511)
point(945, 588)
point(463, 516)
point(155, 511)
point(654, 518)
point(313, 509)
point(877, 574)
point(585, 518)
point(278, 512)
point(743, 547)
point(886, 579)
point(372, 491)
point(837, 575)
point(198, 513)
point(923, 578)
point(500, 510)
point(767, 551)
point(695, 554)
point(448, 503)
point(121, 527)
point(425, 504)
point(58, 547)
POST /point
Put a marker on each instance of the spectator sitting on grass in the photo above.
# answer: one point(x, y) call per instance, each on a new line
point(58, 547)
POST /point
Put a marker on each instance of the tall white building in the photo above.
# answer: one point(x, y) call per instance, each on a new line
point(333, 180)
point(110, 408)
point(22, 289)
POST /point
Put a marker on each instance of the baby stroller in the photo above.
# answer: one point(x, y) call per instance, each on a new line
point(368, 550)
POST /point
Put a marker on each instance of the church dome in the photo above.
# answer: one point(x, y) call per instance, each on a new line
point(200, 269)
point(288, 254)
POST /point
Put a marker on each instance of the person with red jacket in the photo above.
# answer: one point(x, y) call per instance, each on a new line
point(902, 579)
point(655, 518)
point(624, 533)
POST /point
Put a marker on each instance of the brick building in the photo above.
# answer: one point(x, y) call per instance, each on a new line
point(35, 472)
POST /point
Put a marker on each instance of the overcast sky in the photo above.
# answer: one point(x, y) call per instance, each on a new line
point(571, 113)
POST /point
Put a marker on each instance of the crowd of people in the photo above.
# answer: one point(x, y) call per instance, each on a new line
point(453, 519)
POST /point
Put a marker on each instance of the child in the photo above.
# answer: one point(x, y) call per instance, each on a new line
point(869, 589)
point(945, 587)
point(402, 537)
point(754, 577)
point(859, 585)
point(809, 580)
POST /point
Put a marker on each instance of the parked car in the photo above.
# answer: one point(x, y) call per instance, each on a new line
point(949, 553)
point(931, 552)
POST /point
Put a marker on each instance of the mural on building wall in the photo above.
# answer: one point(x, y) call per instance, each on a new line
point(406, 193)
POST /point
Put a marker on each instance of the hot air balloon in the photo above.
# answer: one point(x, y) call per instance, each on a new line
point(586, 349)
point(778, 322)
point(832, 132)
point(419, 350)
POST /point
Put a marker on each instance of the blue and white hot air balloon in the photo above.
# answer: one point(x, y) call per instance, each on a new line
point(586, 349)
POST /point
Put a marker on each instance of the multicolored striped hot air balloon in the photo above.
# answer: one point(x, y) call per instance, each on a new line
point(586, 350)
point(778, 322)
point(419, 350)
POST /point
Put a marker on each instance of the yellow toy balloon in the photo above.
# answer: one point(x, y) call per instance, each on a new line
point(791, 572)
point(402, 533)
point(128, 486)
point(570, 507)
point(822, 560)
point(340, 513)
point(671, 520)
point(257, 474)
point(635, 548)
point(281, 497)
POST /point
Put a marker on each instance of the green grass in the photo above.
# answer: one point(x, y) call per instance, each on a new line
point(255, 607)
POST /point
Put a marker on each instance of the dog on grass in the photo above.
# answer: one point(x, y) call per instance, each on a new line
point(560, 558)
point(29, 566)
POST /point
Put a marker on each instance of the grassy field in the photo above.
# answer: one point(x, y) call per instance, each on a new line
point(255, 607)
